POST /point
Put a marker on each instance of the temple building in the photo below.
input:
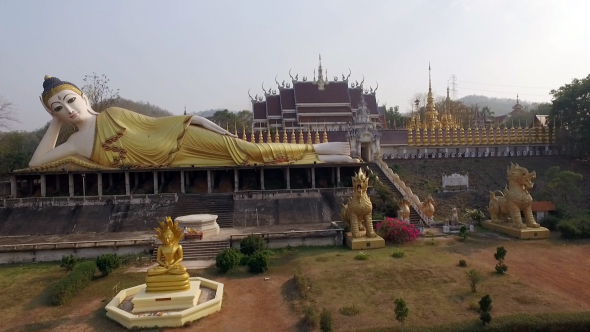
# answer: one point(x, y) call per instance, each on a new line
point(314, 104)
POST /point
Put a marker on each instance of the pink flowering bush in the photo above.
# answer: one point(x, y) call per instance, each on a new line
point(395, 231)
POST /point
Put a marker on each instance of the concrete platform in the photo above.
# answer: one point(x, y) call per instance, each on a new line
point(364, 242)
point(163, 301)
point(523, 234)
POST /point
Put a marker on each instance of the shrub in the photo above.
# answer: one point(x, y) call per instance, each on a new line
point(463, 232)
point(462, 263)
point(576, 228)
point(475, 215)
point(550, 222)
point(474, 278)
point(350, 310)
point(500, 255)
point(398, 253)
point(303, 284)
point(227, 259)
point(326, 321)
point(251, 244)
point(107, 263)
point(485, 306)
point(310, 317)
point(258, 262)
point(78, 279)
point(68, 262)
point(401, 310)
point(395, 231)
point(361, 256)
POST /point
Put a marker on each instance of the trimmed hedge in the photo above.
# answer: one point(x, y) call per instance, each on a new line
point(227, 259)
point(72, 283)
point(251, 244)
point(545, 322)
point(107, 263)
point(258, 262)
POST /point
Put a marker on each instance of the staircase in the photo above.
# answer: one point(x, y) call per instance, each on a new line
point(200, 250)
point(414, 217)
point(220, 204)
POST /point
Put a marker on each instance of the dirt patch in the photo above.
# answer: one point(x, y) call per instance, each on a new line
point(251, 304)
point(561, 269)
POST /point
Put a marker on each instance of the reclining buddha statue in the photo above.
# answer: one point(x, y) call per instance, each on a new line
point(119, 138)
point(169, 275)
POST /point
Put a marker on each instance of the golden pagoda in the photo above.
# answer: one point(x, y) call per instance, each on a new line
point(431, 115)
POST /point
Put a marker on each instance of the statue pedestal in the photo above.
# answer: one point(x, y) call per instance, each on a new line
point(162, 301)
point(523, 234)
point(206, 223)
point(363, 242)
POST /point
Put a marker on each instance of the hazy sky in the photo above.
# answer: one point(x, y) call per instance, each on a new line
point(206, 55)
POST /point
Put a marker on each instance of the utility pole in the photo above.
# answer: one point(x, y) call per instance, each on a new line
point(454, 86)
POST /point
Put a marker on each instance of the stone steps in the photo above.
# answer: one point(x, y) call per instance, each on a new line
point(414, 216)
point(220, 204)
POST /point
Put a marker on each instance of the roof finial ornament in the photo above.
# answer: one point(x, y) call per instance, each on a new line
point(249, 95)
point(377, 87)
point(349, 72)
point(429, 80)
point(363, 81)
point(277, 82)
point(292, 78)
point(517, 101)
point(321, 82)
point(265, 92)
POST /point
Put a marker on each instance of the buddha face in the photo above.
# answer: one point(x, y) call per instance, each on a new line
point(68, 106)
point(168, 237)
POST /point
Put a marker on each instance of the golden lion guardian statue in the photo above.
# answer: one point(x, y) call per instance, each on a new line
point(357, 213)
point(514, 199)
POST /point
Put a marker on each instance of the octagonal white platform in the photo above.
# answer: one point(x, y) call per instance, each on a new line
point(161, 314)
point(206, 223)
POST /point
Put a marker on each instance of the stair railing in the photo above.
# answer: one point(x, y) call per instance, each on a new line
point(403, 189)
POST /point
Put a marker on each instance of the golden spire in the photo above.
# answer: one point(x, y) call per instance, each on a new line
point(284, 135)
point(309, 136)
point(235, 129)
point(292, 138)
point(268, 137)
point(277, 138)
point(244, 132)
point(325, 138)
point(301, 135)
point(431, 115)
point(317, 136)
point(260, 136)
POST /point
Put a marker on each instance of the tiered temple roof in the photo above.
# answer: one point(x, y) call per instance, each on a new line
point(317, 103)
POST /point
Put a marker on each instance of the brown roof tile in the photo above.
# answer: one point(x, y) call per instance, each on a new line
point(304, 110)
point(308, 92)
point(287, 99)
point(394, 137)
point(273, 105)
point(259, 110)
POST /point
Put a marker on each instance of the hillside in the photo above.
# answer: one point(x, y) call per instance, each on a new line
point(485, 175)
point(499, 106)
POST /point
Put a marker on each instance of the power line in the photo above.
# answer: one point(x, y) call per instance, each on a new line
point(454, 86)
point(512, 86)
point(509, 93)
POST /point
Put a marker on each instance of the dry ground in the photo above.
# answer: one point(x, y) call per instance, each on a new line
point(543, 276)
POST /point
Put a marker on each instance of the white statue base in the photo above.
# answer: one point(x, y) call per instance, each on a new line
point(155, 301)
point(205, 299)
point(206, 223)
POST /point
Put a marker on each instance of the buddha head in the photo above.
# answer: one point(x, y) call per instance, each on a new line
point(167, 237)
point(65, 101)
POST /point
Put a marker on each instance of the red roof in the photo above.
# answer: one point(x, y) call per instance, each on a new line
point(308, 92)
point(355, 97)
point(371, 103)
point(543, 206)
point(394, 137)
point(273, 105)
point(259, 110)
point(287, 99)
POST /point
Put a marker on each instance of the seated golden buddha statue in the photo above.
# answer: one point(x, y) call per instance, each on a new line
point(169, 275)
point(119, 138)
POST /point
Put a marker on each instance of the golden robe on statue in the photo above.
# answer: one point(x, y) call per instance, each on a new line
point(128, 139)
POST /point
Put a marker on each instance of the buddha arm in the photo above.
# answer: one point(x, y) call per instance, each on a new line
point(46, 151)
point(201, 121)
point(179, 255)
point(159, 257)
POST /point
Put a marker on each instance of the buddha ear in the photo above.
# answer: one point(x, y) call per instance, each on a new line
point(45, 106)
point(90, 110)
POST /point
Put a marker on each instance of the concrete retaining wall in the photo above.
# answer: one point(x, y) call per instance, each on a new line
point(56, 254)
point(266, 208)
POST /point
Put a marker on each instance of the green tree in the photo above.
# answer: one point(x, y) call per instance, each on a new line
point(16, 149)
point(394, 118)
point(571, 113)
point(100, 95)
point(401, 310)
point(474, 278)
point(562, 186)
point(485, 306)
point(500, 255)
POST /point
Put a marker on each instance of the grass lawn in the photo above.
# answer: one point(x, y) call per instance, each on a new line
point(428, 277)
